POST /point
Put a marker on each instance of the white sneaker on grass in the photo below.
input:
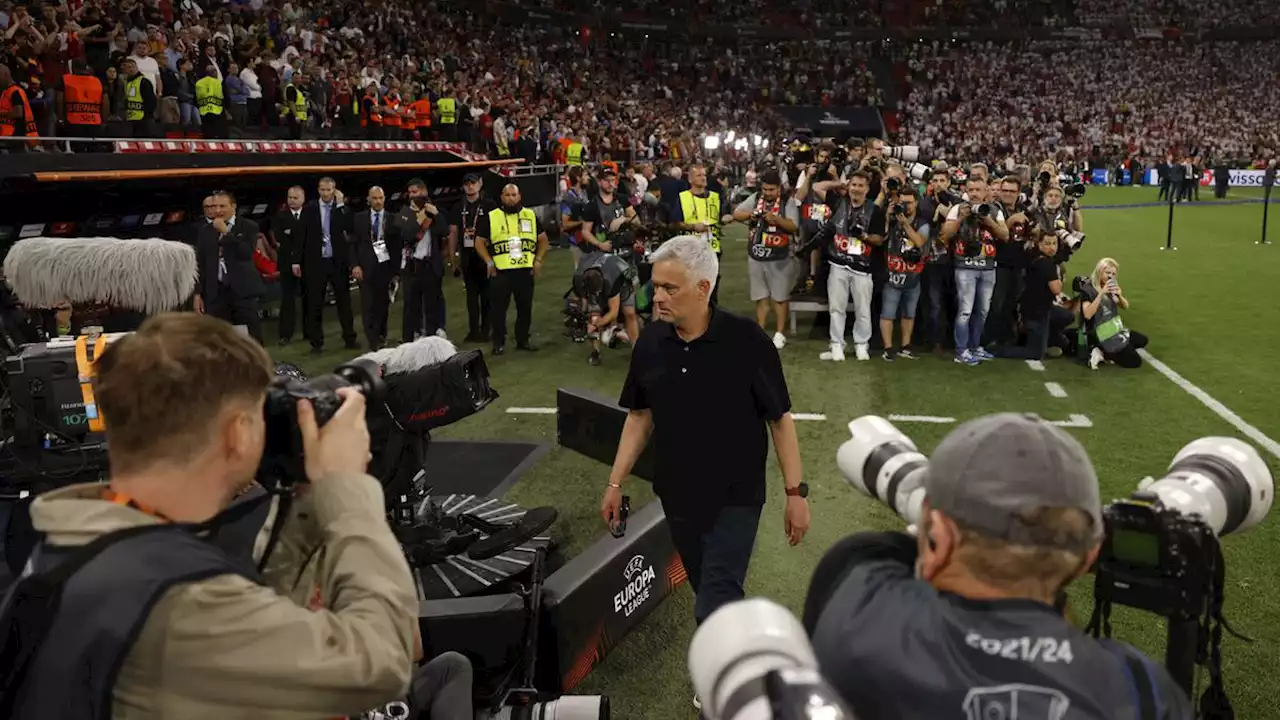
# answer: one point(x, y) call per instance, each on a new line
point(835, 354)
point(861, 351)
point(779, 340)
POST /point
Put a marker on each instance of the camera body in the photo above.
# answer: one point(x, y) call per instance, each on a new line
point(893, 184)
point(576, 318)
point(1156, 558)
point(1079, 283)
point(899, 209)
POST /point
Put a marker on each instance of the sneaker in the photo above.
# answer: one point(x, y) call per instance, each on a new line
point(906, 354)
point(887, 356)
point(862, 353)
point(595, 358)
point(835, 354)
point(967, 358)
point(697, 704)
point(1054, 352)
point(1095, 358)
point(779, 340)
point(982, 354)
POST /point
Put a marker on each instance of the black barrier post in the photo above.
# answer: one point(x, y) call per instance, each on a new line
point(1168, 241)
point(1266, 205)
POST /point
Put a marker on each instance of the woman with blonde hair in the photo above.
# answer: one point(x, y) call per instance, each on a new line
point(1100, 304)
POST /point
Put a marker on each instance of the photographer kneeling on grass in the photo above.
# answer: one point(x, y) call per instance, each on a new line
point(1108, 337)
point(968, 618)
point(1043, 318)
point(606, 283)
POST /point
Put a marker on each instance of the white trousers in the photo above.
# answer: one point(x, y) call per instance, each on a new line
point(843, 283)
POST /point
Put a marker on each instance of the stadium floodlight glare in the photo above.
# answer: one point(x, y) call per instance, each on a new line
point(711, 142)
point(730, 137)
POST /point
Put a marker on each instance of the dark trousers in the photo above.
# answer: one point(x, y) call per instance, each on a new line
point(291, 290)
point(237, 311)
point(716, 555)
point(213, 126)
point(422, 298)
point(1129, 357)
point(1041, 333)
point(375, 302)
point(1220, 190)
point(1164, 191)
point(319, 278)
point(1001, 325)
point(939, 301)
point(504, 286)
point(476, 277)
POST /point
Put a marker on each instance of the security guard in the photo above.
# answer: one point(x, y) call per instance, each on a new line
point(295, 106)
point(576, 153)
point(82, 106)
point(392, 119)
point(139, 100)
point(448, 109)
point(15, 112)
point(422, 108)
point(699, 213)
point(209, 99)
point(371, 113)
point(510, 244)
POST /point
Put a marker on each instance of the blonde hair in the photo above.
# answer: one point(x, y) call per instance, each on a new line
point(1097, 270)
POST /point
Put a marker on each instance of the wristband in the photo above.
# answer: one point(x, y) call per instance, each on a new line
point(615, 485)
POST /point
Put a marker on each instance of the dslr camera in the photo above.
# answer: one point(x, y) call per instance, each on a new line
point(899, 209)
point(282, 463)
point(1072, 240)
point(577, 321)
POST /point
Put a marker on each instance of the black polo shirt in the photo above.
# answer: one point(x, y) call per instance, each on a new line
point(711, 400)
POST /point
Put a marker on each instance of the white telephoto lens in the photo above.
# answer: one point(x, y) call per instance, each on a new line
point(884, 464)
point(1223, 480)
point(742, 642)
point(569, 707)
point(905, 153)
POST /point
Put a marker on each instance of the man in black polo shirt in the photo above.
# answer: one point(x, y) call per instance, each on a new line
point(705, 383)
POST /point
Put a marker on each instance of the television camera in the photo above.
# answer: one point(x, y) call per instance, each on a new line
point(1161, 549)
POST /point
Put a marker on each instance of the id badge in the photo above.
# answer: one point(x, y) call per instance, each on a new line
point(469, 239)
point(526, 226)
point(380, 250)
point(515, 248)
point(848, 245)
point(705, 236)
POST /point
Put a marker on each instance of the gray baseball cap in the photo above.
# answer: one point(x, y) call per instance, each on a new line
point(989, 470)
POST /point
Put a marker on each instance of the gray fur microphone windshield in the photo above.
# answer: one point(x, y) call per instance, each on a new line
point(150, 275)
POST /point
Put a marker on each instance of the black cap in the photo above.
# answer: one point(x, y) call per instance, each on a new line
point(473, 177)
point(608, 171)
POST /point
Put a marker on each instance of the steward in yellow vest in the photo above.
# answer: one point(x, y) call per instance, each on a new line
point(512, 247)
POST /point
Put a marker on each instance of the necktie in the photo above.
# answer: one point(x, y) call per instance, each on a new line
point(324, 228)
point(377, 227)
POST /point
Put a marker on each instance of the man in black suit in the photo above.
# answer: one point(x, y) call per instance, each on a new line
point(377, 252)
point(326, 262)
point(286, 235)
point(230, 285)
point(462, 237)
point(426, 255)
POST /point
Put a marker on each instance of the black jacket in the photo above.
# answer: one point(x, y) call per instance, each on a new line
point(362, 252)
point(235, 249)
point(410, 230)
point(312, 241)
point(287, 234)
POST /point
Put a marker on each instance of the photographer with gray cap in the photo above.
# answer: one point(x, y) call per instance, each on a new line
point(968, 618)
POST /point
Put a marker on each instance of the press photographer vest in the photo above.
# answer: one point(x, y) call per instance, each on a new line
point(902, 274)
point(848, 251)
point(513, 238)
point(703, 210)
point(114, 582)
point(608, 213)
point(1112, 335)
point(1051, 220)
point(769, 243)
point(984, 260)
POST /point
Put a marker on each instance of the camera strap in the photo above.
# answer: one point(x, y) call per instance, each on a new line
point(1214, 703)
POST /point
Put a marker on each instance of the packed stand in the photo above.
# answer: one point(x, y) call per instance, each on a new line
point(1178, 13)
point(1144, 98)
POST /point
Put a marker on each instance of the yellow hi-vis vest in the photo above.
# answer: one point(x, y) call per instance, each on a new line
point(448, 111)
point(703, 210)
point(574, 154)
point(209, 96)
point(133, 99)
point(299, 107)
point(513, 239)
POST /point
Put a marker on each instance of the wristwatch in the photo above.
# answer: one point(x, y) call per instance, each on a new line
point(801, 490)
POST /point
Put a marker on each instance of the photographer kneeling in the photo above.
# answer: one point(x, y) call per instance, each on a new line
point(1044, 319)
point(1108, 336)
point(967, 619)
point(173, 619)
point(606, 283)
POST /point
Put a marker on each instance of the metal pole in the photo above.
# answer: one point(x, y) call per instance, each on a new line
point(1266, 205)
point(1168, 242)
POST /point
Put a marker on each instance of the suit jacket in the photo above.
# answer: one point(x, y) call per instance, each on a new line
point(411, 229)
point(235, 249)
point(362, 252)
point(287, 234)
point(313, 236)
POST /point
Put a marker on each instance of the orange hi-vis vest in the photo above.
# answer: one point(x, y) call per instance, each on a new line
point(26, 127)
point(423, 110)
point(392, 119)
point(83, 99)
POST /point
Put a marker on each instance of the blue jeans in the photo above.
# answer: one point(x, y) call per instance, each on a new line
point(894, 299)
point(716, 555)
point(973, 290)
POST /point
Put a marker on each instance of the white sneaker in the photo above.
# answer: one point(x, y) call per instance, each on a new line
point(862, 353)
point(835, 354)
point(1095, 358)
point(697, 704)
point(779, 340)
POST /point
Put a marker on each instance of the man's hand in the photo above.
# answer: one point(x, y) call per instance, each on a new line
point(338, 197)
point(199, 304)
point(492, 271)
point(701, 227)
point(220, 225)
point(537, 268)
point(297, 271)
point(605, 247)
point(341, 447)
point(611, 507)
point(726, 219)
point(357, 273)
point(617, 223)
point(795, 519)
point(772, 219)
point(965, 210)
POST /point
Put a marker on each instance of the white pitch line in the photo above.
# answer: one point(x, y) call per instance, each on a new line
point(808, 416)
point(531, 411)
point(922, 419)
point(1076, 421)
point(1055, 389)
point(1208, 401)
point(1035, 365)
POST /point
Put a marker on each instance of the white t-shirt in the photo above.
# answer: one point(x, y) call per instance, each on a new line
point(955, 213)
